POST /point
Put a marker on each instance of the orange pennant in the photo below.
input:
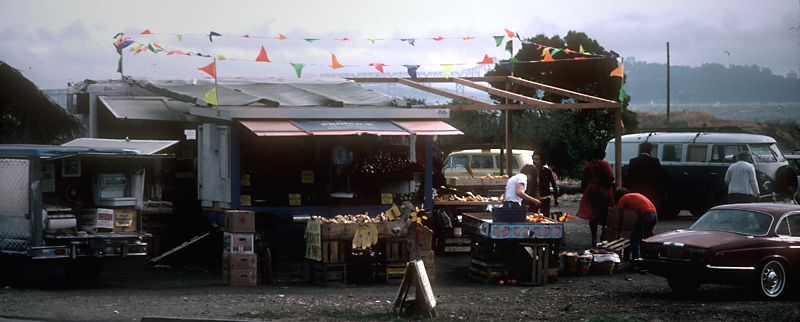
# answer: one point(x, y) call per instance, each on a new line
point(467, 37)
point(486, 60)
point(280, 37)
point(619, 71)
point(510, 33)
point(262, 56)
point(546, 55)
point(146, 32)
point(335, 62)
point(210, 69)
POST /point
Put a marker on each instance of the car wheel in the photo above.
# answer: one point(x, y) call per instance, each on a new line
point(683, 286)
point(772, 280)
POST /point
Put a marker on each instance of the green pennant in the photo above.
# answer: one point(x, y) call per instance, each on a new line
point(513, 60)
point(498, 40)
point(554, 51)
point(310, 40)
point(622, 95)
point(298, 68)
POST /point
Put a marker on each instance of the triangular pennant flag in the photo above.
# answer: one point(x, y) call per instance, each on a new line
point(580, 49)
point(159, 47)
point(343, 39)
point(310, 40)
point(447, 69)
point(546, 55)
point(246, 36)
point(153, 48)
point(335, 62)
point(410, 41)
point(498, 40)
point(262, 56)
point(554, 51)
point(179, 36)
point(378, 66)
point(467, 38)
point(412, 70)
point(622, 95)
point(211, 97)
point(510, 33)
point(140, 49)
point(117, 36)
point(486, 60)
point(280, 37)
point(513, 60)
point(438, 38)
point(569, 51)
point(212, 33)
point(619, 71)
point(221, 57)
point(210, 69)
point(146, 32)
point(298, 68)
point(176, 52)
point(136, 47)
point(373, 40)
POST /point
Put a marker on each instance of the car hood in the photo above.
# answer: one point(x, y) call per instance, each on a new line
point(697, 238)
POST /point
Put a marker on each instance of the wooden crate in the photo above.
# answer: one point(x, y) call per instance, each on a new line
point(394, 273)
point(335, 251)
point(395, 249)
point(487, 272)
point(454, 244)
point(323, 274)
point(535, 266)
point(483, 249)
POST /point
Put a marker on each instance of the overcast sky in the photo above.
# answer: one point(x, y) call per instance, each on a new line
point(55, 42)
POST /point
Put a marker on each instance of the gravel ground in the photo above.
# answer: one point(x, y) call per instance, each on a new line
point(130, 291)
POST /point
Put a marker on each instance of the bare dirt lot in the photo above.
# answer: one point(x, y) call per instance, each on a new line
point(129, 291)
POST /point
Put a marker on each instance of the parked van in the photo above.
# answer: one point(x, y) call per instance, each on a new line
point(696, 162)
point(481, 162)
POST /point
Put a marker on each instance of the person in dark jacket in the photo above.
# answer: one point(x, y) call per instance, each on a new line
point(542, 185)
point(645, 176)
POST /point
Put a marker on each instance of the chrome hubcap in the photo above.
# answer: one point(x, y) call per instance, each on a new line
point(772, 279)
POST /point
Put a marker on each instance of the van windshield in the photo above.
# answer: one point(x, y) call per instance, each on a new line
point(765, 153)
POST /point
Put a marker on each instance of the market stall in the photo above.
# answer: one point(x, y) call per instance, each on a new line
point(517, 251)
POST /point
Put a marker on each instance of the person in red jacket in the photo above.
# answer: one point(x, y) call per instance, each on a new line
point(646, 219)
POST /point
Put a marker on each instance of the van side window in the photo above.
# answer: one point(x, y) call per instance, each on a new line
point(762, 153)
point(672, 152)
point(782, 229)
point(458, 161)
point(794, 225)
point(481, 162)
point(696, 153)
point(498, 161)
point(726, 153)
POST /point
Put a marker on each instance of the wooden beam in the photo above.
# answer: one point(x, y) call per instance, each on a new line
point(414, 84)
point(558, 90)
point(618, 127)
point(424, 79)
point(501, 93)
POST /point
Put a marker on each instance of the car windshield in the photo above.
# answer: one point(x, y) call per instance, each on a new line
point(734, 221)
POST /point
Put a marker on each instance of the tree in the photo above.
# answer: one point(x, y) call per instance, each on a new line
point(568, 135)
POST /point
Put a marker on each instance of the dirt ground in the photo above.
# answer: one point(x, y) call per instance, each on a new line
point(130, 290)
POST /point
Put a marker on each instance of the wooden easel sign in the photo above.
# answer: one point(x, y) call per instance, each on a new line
point(424, 301)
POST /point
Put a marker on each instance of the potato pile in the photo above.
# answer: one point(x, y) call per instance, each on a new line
point(351, 219)
point(489, 176)
point(538, 218)
point(469, 197)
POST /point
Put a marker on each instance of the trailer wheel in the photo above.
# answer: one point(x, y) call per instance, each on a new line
point(83, 271)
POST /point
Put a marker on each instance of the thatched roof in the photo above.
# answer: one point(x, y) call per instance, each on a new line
point(29, 116)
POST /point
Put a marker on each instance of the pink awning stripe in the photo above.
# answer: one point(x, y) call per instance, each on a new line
point(429, 127)
point(273, 128)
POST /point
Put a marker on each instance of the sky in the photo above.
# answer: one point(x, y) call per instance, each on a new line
point(56, 42)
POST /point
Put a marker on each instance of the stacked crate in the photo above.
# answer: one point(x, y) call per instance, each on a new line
point(336, 244)
point(395, 252)
point(239, 261)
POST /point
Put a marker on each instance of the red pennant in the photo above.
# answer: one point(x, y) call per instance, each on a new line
point(280, 37)
point(486, 60)
point(378, 66)
point(438, 38)
point(510, 33)
point(569, 51)
point(343, 39)
point(262, 56)
point(210, 69)
point(246, 36)
point(146, 32)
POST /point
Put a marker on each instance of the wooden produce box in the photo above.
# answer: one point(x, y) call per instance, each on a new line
point(240, 221)
point(335, 251)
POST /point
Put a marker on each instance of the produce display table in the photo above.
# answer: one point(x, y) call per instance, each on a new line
point(449, 237)
point(512, 252)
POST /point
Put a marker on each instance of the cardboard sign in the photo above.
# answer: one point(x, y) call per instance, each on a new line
point(424, 301)
point(295, 199)
point(307, 176)
point(387, 198)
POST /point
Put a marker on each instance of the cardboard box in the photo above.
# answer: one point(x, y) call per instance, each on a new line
point(238, 243)
point(105, 219)
point(240, 277)
point(238, 262)
point(126, 220)
point(240, 221)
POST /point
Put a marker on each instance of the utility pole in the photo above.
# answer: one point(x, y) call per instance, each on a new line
point(668, 84)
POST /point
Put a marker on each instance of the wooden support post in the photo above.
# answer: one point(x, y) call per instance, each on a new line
point(618, 126)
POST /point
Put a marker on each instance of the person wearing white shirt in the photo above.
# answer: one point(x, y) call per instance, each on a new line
point(515, 189)
point(741, 180)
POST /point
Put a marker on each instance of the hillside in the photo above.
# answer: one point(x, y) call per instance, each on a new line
point(787, 134)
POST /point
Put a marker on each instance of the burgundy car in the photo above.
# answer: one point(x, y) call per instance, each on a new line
point(753, 245)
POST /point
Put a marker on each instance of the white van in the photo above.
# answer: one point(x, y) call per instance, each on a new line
point(696, 163)
point(482, 162)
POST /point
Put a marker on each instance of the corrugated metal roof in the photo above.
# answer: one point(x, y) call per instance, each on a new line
point(142, 146)
point(153, 108)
